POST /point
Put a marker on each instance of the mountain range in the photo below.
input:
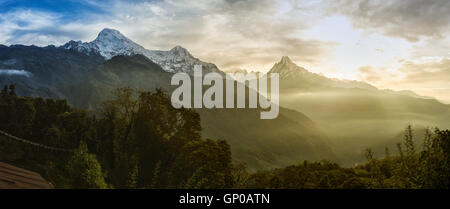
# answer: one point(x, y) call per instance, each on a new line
point(86, 73)
point(110, 43)
point(357, 115)
point(327, 118)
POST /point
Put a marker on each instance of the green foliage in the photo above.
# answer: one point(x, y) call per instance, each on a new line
point(84, 171)
point(411, 169)
point(240, 175)
point(153, 145)
point(138, 140)
point(308, 175)
point(205, 164)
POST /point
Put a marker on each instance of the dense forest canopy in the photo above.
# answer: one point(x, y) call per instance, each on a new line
point(138, 140)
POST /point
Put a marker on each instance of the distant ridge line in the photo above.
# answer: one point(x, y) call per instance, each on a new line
point(15, 138)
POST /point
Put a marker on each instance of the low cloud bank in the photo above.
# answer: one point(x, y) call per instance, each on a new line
point(10, 72)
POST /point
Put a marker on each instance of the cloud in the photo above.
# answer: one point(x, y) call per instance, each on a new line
point(32, 27)
point(229, 33)
point(433, 71)
point(369, 74)
point(407, 19)
point(254, 34)
point(10, 72)
point(234, 33)
point(12, 24)
point(428, 72)
point(428, 78)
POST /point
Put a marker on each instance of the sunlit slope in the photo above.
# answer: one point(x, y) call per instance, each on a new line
point(355, 115)
point(259, 143)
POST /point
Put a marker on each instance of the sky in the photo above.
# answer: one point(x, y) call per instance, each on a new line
point(395, 44)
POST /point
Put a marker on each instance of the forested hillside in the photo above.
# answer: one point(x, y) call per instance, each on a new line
point(138, 140)
point(416, 167)
point(262, 144)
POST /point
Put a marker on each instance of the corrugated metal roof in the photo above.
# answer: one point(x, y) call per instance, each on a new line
point(12, 177)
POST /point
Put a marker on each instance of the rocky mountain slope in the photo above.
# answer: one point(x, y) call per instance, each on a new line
point(110, 43)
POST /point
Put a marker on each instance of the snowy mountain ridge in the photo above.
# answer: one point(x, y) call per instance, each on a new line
point(110, 43)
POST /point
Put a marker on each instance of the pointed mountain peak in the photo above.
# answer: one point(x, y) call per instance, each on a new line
point(109, 31)
point(285, 59)
point(110, 43)
point(110, 34)
point(180, 51)
point(178, 48)
point(286, 68)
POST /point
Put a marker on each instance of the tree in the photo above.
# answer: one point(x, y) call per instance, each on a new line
point(375, 168)
point(4, 92)
point(12, 90)
point(203, 164)
point(240, 175)
point(84, 171)
point(435, 160)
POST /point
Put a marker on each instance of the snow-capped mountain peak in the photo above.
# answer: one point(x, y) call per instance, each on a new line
point(109, 33)
point(178, 50)
point(110, 43)
point(178, 54)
